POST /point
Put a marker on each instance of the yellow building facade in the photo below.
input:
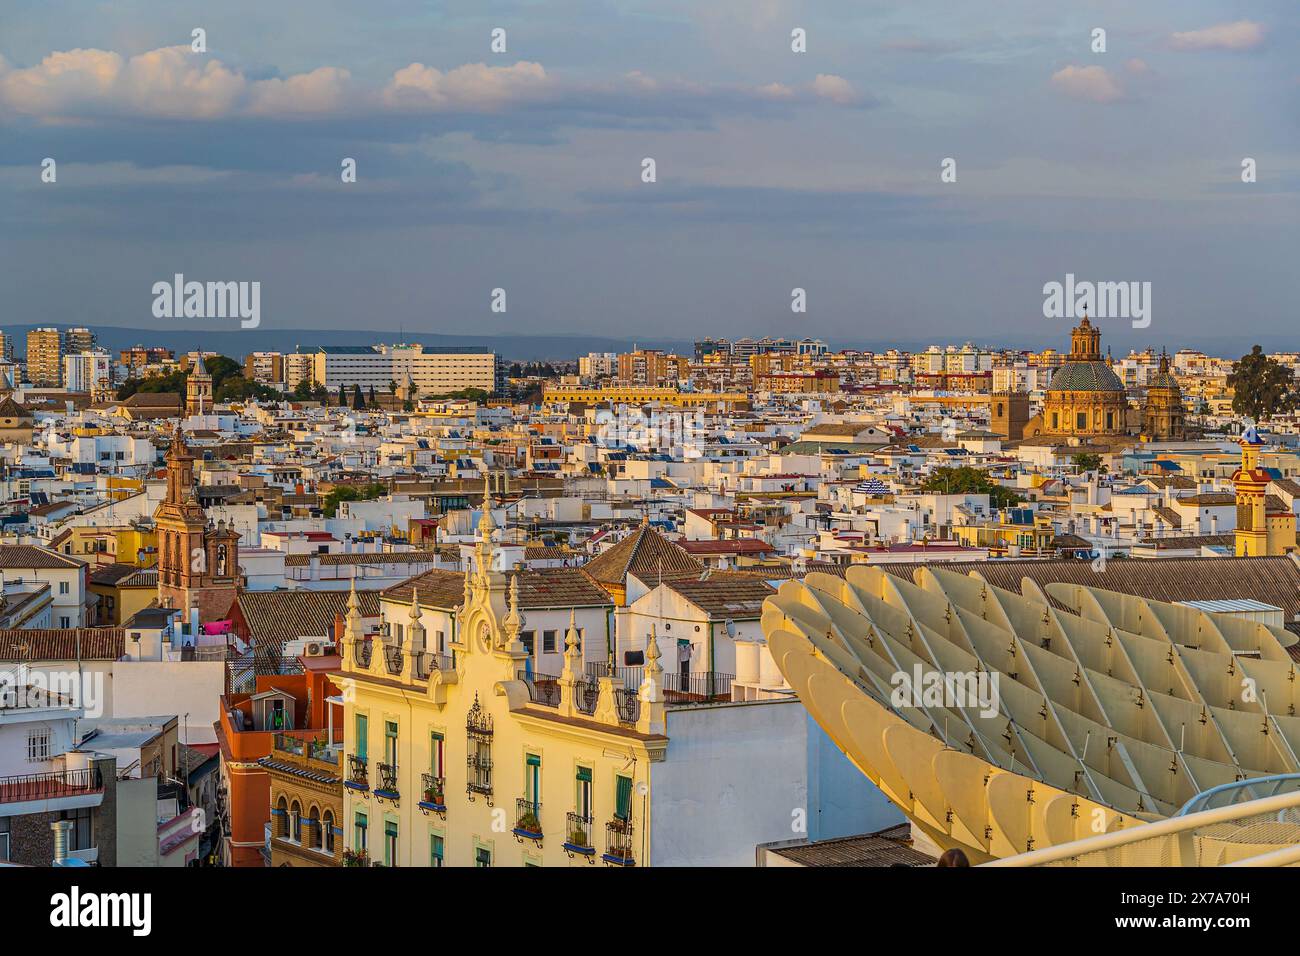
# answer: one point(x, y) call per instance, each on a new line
point(1265, 526)
point(462, 759)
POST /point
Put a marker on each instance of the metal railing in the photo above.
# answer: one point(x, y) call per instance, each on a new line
point(628, 705)
point(586, 693)
point(358, 770)
point(364, 650)
point(699, 687)
point(45, 786)
point(542, 688)
point(393, 658)
point(528, 816)
point(618, 841)
point(577, 831)
point(426, 662)
point(289, 745)
point(1263, 832)
point(387, 778)
point(435, 792)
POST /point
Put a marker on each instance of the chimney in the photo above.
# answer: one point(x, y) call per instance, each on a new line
point(338, 628)
point(1214, 522)
point(61, 829)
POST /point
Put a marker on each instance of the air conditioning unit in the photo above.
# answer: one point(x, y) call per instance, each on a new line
point(314, 649)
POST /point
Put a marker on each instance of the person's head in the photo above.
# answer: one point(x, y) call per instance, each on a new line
point(953, 857)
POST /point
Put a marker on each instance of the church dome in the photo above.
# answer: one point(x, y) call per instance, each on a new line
point(1085, 377)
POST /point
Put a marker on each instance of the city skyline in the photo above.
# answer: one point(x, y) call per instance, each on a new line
point(775, 170)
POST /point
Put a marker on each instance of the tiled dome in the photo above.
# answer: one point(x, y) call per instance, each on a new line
point(1085, 377)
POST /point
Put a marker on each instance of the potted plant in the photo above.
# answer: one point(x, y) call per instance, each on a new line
point(433, 795)
point(529, 823)
point(356, 858)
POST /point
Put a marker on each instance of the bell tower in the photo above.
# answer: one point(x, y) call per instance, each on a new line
point(198, 562)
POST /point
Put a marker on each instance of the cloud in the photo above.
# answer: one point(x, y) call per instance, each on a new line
point(170, 83)
point(1088, 83)
point(474, 87)
point(838, 90)
point(1240, 35)
point(175, 83)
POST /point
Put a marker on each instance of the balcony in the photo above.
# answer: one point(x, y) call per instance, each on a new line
point(426, 662)
point(358, 773)
point(628, 704)
point(364, 650)
point(435, 794)
point(577, 842)
point(387, 788)
point(528, 820)
point(54, 790)
point(618, 843)
point(586, 692)
point(543, 689)
point(356, 858)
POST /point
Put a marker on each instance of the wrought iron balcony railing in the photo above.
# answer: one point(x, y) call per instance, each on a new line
point(358, 772)
point(586, 692)
point(426, 662)
point(387, 779)
point(435, 790)
point(628, 705)
point(577, 834)
point(542, 688)
point(364, 650)
point(393, 658)
point(528, 818)
point(618, 842)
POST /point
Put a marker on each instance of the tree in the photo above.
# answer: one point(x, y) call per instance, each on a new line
point(969, 481)
point(343, 398)
point(358, 403)
point(339, 493)
point(1085, 461)
point(1262, 386)
point(372, 395)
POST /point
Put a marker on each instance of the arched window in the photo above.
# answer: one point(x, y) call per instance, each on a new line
point(327, 830)
point(282, 818)
point(313, 828)
point(295, 822)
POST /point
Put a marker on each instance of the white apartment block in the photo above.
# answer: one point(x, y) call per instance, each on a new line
point(434, 371)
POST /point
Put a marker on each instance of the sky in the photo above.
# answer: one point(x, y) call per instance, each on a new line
point(774, 169)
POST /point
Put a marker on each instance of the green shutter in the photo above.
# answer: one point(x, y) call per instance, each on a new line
point(623, 799)
point(584, 775)
point(534, 760)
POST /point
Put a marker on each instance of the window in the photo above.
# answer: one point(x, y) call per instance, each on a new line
point(327, 831)
point(363, 732)
point(295, 822)
point(623, 797)
point(63, 587)
point(527, 638)
point(582, 799)
point(359, 832)
point(65, 622)
point(439, 642)
point(390, 843)
point(482, 857)
point(548, 642)
point(38, 745)
point(82, 834)
point(4, 839)
point(390, 743)
point(436, 849)
point(435, 754)
point(532, 779)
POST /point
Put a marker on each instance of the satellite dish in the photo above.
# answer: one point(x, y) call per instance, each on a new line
point(731, 628)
